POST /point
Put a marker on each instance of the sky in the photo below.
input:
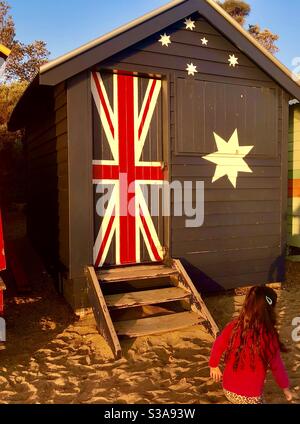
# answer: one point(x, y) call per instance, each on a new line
point(67, 24)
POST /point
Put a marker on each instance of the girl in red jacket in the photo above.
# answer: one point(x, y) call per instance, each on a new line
point(252, 346)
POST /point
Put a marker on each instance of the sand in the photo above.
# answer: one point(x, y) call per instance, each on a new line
point(53, 358)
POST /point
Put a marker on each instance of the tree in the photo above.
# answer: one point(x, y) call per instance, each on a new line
point(12, 161)
point(266, 38)
point(25, 59)
point(9, 95)
point(22, 65)
point(240, 10)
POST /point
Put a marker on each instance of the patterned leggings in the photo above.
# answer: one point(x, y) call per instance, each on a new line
point(243, 400)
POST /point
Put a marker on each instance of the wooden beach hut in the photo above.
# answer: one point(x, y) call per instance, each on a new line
point(181, 94)
point(294, 177)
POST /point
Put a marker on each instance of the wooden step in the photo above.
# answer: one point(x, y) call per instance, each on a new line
point(157, 325)
point(144, 298)
point(135, 273)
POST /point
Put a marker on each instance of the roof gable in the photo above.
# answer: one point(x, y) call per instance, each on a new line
point(115, 42)
point(112, 43)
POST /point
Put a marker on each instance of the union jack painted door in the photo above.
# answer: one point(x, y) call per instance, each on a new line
point(128, 158)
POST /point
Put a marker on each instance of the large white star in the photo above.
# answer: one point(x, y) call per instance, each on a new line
point(229, 158)
point(233, 60)
point(165, 40)
point(192, 69)
point(189, 24)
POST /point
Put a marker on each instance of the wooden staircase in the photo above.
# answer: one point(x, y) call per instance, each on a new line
point(145, 300)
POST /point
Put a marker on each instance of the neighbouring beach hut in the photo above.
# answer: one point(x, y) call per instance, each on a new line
point(181, 94)
point(294, 177)
point(4, 53)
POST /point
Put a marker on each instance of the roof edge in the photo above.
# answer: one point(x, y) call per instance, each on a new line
point(269, 55)
point(98, 41)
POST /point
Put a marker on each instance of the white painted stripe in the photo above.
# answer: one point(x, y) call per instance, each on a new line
point(136, 117)
point(103, 230)
point(117, 220)
point(105, 163)
point(111, 140)
point(105, 182)
point(153, 103)
point(138, 246)
point(145, 102)
point(116, 116)
point(151, 182)
point(150, 164)
point(151, 227)
point(145, 238)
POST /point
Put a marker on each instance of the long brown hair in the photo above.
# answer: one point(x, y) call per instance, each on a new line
point(257, 321)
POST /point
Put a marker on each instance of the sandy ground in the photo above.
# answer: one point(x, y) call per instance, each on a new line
point(51, 357)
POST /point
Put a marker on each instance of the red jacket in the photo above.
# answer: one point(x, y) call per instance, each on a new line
point(245, 381)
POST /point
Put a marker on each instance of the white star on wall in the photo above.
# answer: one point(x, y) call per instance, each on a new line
point(233, 60)
point(204, 41)
point(229, 158)
point(192, 69)
point(165, 40)
point(189, 24)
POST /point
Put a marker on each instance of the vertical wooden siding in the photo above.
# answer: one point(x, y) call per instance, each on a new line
point(241, 239)
point(46, 140)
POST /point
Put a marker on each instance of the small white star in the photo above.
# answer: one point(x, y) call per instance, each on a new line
point(165, 40)
point(192, 69)
point(233, 60)
point(204, 41)
point(189, 24)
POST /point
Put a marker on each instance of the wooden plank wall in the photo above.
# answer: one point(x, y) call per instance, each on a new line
point(48, 214)
point(151, 56)
point(242, 239)
point(294, 177)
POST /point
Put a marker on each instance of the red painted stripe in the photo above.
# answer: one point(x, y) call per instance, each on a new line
point(104, 105)
point(105, 240)
point(127, 166)
point(294, 188)
point(149, 173)
point(112, 172)
point(150, 239)
point(147, 107)
point(106, 172)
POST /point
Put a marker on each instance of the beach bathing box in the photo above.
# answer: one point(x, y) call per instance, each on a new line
point(294, 177)
point(183, 94)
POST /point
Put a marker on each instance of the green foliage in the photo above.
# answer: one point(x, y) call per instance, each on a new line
point(12, 161)
point(10, 94)
point(240, 10)
point(25, 59)
point(22, 65)
point(265, 37)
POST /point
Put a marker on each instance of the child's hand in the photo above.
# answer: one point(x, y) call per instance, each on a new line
point(216, 374)
point(288, 394)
